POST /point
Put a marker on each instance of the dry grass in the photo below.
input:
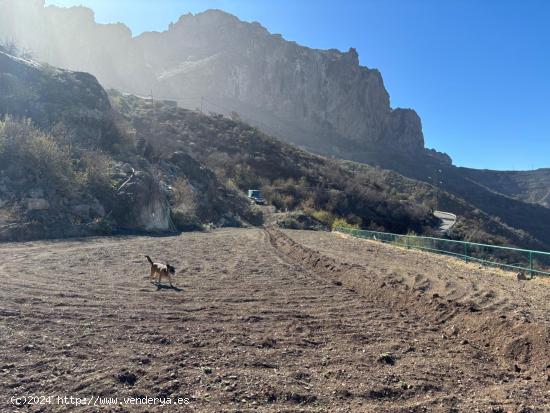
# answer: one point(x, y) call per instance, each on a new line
point(449, 260)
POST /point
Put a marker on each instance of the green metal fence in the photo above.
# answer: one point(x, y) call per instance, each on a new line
point(533, 262)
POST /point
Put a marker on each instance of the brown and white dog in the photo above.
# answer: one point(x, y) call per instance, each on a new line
point(161, 270)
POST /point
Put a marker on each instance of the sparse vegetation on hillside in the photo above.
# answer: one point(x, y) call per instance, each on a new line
point(70, 165)
point(473, 224)
point(10, 47)
point(289, 178)
point(34, 157)
point(50, 186)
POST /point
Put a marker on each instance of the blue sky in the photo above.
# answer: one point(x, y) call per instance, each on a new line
point(476, 71)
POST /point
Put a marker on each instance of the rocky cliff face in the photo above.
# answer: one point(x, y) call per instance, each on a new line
point(322, 99)
point(314, 97)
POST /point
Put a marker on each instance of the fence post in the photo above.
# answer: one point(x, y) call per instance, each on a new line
point(531, 263)
point(466, 252)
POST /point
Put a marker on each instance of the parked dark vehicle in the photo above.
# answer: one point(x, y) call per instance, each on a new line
point(256, 196)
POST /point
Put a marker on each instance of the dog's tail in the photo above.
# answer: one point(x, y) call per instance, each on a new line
point(149, 259)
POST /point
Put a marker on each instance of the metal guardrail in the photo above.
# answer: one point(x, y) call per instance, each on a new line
point(533, 262)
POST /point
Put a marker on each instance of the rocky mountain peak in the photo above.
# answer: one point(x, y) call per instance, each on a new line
point(320, 99)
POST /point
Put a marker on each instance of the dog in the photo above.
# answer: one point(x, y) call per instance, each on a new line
point(521, 276)
point(161, 270)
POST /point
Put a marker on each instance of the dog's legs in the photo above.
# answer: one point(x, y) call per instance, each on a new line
point(170, 279)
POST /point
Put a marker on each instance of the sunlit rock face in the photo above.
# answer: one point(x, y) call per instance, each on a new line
point(321, 99)
point(304, 95)
point(50, 96)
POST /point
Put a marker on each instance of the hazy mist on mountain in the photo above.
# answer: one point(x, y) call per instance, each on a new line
point(321, 99)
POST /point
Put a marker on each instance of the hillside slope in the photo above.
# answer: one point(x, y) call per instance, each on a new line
point(531, 219)
point(131, 165)
point(322, 100)
point(293, 179)
point(290, 178)
point(474, 224)
point(68, 167)
point(527, 186)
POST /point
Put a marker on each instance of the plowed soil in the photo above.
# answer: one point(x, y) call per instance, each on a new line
point(268, 321)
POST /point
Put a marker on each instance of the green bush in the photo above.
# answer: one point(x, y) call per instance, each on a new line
point(255, 216)
point(290, 223)
point(341, 222)
point(185, 221)
point(323, 216)
point(95, 174)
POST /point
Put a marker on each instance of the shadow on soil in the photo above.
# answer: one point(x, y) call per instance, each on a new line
point(167, 287)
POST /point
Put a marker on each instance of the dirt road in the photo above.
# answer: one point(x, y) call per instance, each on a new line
point(448, 220)
point(268, 322)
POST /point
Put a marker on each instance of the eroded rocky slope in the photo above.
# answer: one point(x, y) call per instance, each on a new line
point(68, 166)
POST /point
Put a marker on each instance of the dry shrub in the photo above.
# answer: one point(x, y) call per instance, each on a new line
point(342, 223)
point(323, 216)
point(184, 196)
point(26, 150)
point(95, 165)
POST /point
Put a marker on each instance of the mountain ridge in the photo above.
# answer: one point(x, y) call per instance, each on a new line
point(318, 89)
point(313, 102)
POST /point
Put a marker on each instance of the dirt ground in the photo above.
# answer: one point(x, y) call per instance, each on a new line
point(267, 321)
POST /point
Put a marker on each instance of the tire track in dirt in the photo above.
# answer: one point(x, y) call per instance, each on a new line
point(251, 328)
point(511, 343)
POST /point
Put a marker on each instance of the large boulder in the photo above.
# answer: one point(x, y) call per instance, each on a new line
point(141, 204)
point(51, 97)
